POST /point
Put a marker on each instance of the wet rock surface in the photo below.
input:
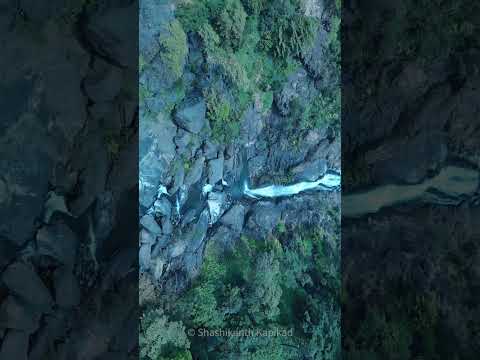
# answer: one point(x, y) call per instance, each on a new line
point(68, 125)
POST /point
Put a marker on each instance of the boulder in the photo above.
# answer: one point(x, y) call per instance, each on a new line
point(191, 115)
point(195, 172)
point(145, 257)
point(234, 218)
point(15, 345)
point(22, 281)
point(310, 171)
point(67, 290)
point(149, 223)
point(58, 242)
point(162, 207)
point(16, 314)
point(215, 170)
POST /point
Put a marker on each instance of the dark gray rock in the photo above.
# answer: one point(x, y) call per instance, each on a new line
point(7, 251)
point(309, 171)
point(234, 218)
point(299, 87)
point(54, 328)
point(195, 172)
point(190, 115)
point(153, 17)
point(145, 257)
point(16, 314)
point(315, 57)
point(216, 205)
point(177, 249)
point(54, 204)
point(38, 13)
point(252, 126)
point(413, 160)
point(23, 281)
point(303, 210)
point(256, 165)
point(104, 215)
point(106, 32)
point(59, 242)
point(210, 150)
point(156, 153)
point(146, 237)
point(187, 143)
point(196, 236)
point(67, 290)
point(149, 223)
point(188, 217)
point(193, 263)
point(178, 177)
point(224, 238)
point(158, 266)
point(162, 207)
point(104, 82)
point(167, 227)
point(182, 140)
point(265, 216)
point(93, 174)
point(215, 170)
point(25, 169)
point(127, 163)
point(15, 345)
point(162, 242)
point(156, 138)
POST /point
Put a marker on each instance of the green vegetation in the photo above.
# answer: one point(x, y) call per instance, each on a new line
point(323, 110)
point(237, 51)
point(219, 113)
point(254, 7)
point(231, 23)
point(175, 48)
point(161, 339)
point(288, 282)
point(285, 30)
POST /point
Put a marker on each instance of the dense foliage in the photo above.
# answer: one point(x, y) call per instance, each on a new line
point(285, 30)
point(174, 48)
point(253, 46)
point(288, 282)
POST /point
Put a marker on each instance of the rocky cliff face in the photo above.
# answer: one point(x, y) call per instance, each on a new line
point(180, 156)
point(409, 115)
point(68, 134)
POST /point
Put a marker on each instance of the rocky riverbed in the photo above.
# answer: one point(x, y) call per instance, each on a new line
point(179, 158)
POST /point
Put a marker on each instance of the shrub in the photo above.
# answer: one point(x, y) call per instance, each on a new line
point(174, 48)
point(324, 110)
point(159, 337)
point(220, 114)
point(193, 14)
point(210, 38)
point(254, 7)
point(266, 99)
point(285, 30)
point(231, 23)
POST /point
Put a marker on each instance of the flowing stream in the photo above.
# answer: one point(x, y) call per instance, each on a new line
point(450, 186)
point(331, 181)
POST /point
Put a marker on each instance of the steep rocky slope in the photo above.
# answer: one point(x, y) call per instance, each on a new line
point(68, 133)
